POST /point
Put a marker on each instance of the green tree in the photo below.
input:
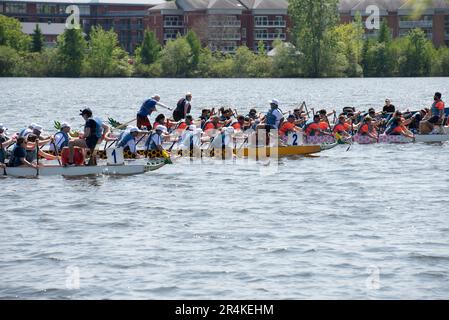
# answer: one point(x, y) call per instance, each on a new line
point(71, 52)
point(38, 40)
point(242, 61)
point(312, 20)
point(8, 60)
point(100, 57)
point(11, 34)
point(149, 52)
point(195, 47)
point(175, 58)
point(286, 61)
point(418, 55)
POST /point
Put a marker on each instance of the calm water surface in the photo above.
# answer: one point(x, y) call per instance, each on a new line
point(371, 223)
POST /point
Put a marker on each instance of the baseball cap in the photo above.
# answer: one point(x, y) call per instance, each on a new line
point(2, 127)
point(85, 111)
point(38, 128)
point(134, 129)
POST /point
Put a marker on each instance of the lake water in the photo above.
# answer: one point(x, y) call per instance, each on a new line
point(370, 223)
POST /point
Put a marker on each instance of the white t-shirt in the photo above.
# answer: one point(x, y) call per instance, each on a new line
point(278, 114)
point(156, 139)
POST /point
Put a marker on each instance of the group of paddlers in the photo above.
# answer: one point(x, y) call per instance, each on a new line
point(182, 129)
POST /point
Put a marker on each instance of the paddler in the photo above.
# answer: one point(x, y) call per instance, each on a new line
point(186, 123)
point(211, 126)
point(367, 128)
point(95, 131)
point(183, 107)
point(19, 153)
point(129, 141)
point(401, 129)
point(288, 127)
point(342, 127)
point(154, 142)
point(147, 108)
point(313, 129)
point(5, 142)
point(61, 138)
point(437, 116)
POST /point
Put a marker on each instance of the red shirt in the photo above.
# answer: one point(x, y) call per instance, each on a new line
point(324, 126)
point(286, 128)
point(312, 128)
point(341, 127)
point(182, 126)
point(236, 126)
point(209, 126)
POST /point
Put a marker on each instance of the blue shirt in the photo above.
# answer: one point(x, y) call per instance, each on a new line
point(17, 154)
point(147, 108)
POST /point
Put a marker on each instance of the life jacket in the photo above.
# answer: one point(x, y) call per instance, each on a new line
point(310, 130)
point(394, 124)
point(99, 127)
point(209, 121)
point(435, 110)
point(124, 141)
point(65, 142)
point(271, 118)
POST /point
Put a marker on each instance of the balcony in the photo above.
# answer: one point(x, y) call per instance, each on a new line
point(424, 24)
point(175, 24)
point(225, 24)
point(274, 24)
point(270, 36)
point(230, 36)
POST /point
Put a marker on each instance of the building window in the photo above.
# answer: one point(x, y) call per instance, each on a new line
point(261, 20)
point(244, 33)
point(15, 8)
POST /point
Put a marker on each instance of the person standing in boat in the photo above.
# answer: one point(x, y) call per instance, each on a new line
point(274, 117)
point(95, 131)
point(147, 108)
point(19, 154)
point(183, 107)
point(437, 115)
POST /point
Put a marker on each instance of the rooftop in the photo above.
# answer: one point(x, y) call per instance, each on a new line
point(117, 2)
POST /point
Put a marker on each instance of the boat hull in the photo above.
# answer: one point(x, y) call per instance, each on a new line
point(428, 138)
point(81, 170)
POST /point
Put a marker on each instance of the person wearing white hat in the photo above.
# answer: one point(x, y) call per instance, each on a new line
point(154, 142)
point(62, 138)
point(274, 117)
point(26, 131)
point(183, 107)
point(129, 141)
point(147, 108)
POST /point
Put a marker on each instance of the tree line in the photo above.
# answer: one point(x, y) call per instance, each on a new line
point(320, 48)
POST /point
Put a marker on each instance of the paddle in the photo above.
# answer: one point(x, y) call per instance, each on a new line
point(37, 158)
point(305, 105)
point(56, 153)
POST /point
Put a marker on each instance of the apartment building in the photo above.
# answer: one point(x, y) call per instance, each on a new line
point(128, 18)
point(399, 14)
point(223, 24)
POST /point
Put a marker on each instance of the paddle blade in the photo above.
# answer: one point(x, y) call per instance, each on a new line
point(114, 123)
